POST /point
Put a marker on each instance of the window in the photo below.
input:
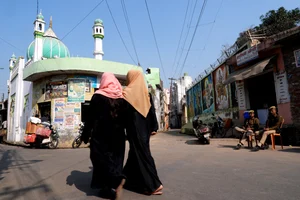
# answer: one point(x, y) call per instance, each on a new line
point(40, 27)
point(100, 30)
point(96, 30)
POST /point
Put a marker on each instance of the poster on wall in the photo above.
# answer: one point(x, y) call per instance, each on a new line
point(75, 108)
point(221, 90)
point(281, 85)
point(297, 57)
point(240, 89)
point(197, 99)
point(59, 105)
point(76, 90)
point(56, 90)
point(190, 103)
point(207, 94)
point(69, 120)
point(91, 80)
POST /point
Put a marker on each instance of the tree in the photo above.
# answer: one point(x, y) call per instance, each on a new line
point(274, 21)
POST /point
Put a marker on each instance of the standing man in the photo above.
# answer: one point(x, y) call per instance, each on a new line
point(273, 123)
point(250, 126)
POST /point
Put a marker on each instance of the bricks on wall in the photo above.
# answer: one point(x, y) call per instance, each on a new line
point(293, 74)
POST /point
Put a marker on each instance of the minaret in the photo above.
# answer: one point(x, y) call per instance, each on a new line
point(39, 29)
point(12, 61)
point(98, 34)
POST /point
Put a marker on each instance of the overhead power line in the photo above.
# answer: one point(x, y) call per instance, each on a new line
point(10, 44)
point(129, 29)
point(83, 19)
point(162, 67)
point(211, 28)
point(193, 37)
point(68, 33)
point(186, 11)
point(188, 31)
point(119, 32)
point(210, 31)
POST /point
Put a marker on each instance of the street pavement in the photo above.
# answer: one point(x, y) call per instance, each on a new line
point(187, 169)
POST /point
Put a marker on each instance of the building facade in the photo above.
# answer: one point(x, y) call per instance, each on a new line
point(53, 85)
point(177, 96)
point(155, 86)
point(256, 76)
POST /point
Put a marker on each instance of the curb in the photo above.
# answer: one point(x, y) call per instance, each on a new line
point(21, 144)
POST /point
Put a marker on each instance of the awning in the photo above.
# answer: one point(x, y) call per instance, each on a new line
point(247, 72)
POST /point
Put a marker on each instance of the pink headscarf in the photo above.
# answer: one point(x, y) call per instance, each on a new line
point(110, 86)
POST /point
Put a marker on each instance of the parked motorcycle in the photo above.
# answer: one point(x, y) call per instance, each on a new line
point(221, 126)
point(201, 130)
point(218, 126)
point(77, 141)
point(46, 135)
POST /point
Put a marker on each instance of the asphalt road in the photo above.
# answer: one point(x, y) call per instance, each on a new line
point(187, 169)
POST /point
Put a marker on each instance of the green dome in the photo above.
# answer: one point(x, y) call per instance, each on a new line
point(98, 21)
point(52, 47)
point(40, 16)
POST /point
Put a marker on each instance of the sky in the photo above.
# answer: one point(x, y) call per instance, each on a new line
point(220, 24)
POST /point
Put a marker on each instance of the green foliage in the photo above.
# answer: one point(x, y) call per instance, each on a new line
point(274, 22)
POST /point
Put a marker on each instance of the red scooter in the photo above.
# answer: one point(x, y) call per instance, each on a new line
point(45, 135)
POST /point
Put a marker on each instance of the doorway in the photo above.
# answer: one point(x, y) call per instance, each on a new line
point(45, 111)
point(262, 94)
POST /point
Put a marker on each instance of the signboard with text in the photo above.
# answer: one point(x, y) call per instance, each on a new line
point(247, 55)
point(281, 85)
point(240, 89)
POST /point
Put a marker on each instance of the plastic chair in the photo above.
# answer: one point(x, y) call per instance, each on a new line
point(278, 133)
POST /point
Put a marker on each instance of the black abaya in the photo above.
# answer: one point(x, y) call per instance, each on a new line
point(140, 168)
point(107, 144)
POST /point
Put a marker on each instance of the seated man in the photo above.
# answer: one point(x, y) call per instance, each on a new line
point(250, 126)
point(273, 123)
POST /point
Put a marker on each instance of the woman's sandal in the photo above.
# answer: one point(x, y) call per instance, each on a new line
point(119, 190)
point(156, 192)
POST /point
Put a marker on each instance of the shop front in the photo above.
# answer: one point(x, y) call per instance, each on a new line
point(64, 100)
point(261, 82)
point(60, 91)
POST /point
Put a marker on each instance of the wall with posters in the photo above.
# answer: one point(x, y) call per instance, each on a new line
point(207, 94)
point(197, 99)
point(222, 99)
point(66, 117)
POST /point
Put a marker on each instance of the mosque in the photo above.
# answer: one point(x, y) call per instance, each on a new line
point(52, 84)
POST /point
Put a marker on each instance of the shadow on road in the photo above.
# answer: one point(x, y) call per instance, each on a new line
point(194, 142)
point(174, 133)
point(82, 181)
point(291, 150)
point(8, 158)
point(23, 170)
point(227, 146)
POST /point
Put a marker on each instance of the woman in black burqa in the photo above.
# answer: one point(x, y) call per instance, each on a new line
point(107, 144)
point(140, 170)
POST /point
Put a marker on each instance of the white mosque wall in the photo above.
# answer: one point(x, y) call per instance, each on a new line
point(16, 102)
